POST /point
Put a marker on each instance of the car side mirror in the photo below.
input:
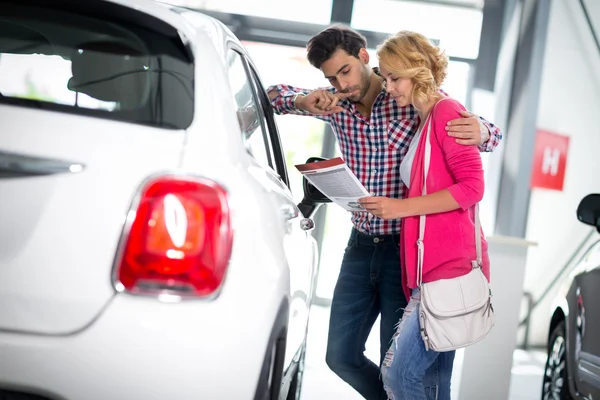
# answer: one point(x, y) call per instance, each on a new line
point(588, 210)
point(313, 198)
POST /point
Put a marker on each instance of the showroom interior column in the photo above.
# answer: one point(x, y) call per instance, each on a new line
point(522, 110)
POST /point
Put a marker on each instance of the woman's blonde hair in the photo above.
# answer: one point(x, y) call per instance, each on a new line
point(411, 55)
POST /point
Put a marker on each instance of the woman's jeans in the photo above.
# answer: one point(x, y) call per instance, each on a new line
point(370, 283)
point(406, 361)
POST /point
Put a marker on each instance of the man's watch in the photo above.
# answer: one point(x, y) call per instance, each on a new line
point(295, 98)
point(485, 132)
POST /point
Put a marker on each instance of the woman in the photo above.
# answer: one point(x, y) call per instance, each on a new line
point(414, 70)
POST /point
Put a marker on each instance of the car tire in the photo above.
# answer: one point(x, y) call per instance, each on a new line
point(556, 378)
point(272, 371)
point(296, 384)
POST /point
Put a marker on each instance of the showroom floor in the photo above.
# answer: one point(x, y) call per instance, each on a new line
point(321, 383)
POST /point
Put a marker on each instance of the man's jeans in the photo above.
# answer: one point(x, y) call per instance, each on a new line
point(370, 282)
point(407, 360)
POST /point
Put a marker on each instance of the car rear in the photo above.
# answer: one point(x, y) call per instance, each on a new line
point(91, 107)
point(110, 257)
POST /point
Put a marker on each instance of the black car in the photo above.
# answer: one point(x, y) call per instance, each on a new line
point(573, 365)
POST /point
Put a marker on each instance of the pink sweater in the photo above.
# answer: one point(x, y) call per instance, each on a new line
point(449, 236)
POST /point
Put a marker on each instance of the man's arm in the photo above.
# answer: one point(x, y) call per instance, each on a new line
point(474, 130)
point(491, 136)
point(319, 103)
point(284, 99)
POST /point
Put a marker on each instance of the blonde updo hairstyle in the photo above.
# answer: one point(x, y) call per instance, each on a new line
point(411, 55)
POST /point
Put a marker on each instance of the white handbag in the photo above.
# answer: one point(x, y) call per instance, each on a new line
point(455, 312)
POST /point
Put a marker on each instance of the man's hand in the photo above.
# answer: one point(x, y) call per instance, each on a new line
point(320, 102)
point(383, 207)
point(468, 130)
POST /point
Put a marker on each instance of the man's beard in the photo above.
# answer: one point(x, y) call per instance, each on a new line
point(362, 90)
point(358, 97)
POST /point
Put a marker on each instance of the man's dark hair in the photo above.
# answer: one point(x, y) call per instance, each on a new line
point(337, 37)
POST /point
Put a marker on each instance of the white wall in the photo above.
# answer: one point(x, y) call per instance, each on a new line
point(569, 105)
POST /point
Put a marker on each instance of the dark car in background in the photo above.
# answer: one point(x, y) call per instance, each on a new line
point(573, 365)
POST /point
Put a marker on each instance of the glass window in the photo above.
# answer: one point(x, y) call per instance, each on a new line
point(456, 28)
point(457, 81)
point(311, 11)
point(85, 61)
point(274, 140)
point(250, 117)
point(301, 136)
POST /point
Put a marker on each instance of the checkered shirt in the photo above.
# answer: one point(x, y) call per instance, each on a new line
point(373, 148)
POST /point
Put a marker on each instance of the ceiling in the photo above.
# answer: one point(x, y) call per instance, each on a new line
point(478, 4)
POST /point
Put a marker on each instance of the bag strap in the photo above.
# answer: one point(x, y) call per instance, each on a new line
point(478, 263)
point(422, 219)
point(420, 244)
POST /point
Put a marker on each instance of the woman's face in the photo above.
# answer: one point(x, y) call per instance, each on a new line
point(399, 88)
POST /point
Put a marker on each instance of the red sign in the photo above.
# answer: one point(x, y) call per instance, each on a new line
point(549, 160)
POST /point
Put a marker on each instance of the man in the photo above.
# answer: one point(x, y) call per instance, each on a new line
point(373, 134)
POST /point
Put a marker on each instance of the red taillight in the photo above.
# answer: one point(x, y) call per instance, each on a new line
point(180, 240)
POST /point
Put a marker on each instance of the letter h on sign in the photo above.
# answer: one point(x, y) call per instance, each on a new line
point(549, 160)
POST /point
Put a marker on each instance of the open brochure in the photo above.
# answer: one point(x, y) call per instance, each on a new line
point(336, 181)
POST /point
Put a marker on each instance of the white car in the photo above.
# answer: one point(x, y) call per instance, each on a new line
point(150, 247)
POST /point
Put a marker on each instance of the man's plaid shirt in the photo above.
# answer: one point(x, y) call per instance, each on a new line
point(373, 149)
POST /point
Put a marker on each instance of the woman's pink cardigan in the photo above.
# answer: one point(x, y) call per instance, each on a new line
point(449, 236)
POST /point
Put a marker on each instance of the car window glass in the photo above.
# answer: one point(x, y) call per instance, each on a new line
point(91, 62)
point(270, 126)
point(249, 113)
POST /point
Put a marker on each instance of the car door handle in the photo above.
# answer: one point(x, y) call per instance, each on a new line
point(13, 165)
point(289, 211)
point(307, 224)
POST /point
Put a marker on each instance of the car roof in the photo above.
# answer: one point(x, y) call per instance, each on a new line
point(182, 18)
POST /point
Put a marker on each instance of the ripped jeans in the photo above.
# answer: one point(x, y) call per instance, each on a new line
point(407, 360)
point(369, 284)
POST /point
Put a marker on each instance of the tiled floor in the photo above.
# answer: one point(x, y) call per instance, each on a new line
point(320, 383)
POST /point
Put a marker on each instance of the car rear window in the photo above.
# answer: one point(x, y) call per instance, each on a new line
point(95, 58)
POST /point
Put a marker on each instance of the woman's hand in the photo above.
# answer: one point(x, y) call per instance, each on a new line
point(383, 207)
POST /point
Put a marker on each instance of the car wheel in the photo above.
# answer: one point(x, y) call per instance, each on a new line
point(296, 384)
point(269, 383)
point(556, 384)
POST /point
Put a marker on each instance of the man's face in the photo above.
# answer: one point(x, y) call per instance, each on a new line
point(348, 74)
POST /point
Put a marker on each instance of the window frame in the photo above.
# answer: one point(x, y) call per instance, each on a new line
point(270, 131)
point(273, 131)
point(263, 129)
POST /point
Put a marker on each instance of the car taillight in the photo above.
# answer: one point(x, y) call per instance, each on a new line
point(180, 240)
